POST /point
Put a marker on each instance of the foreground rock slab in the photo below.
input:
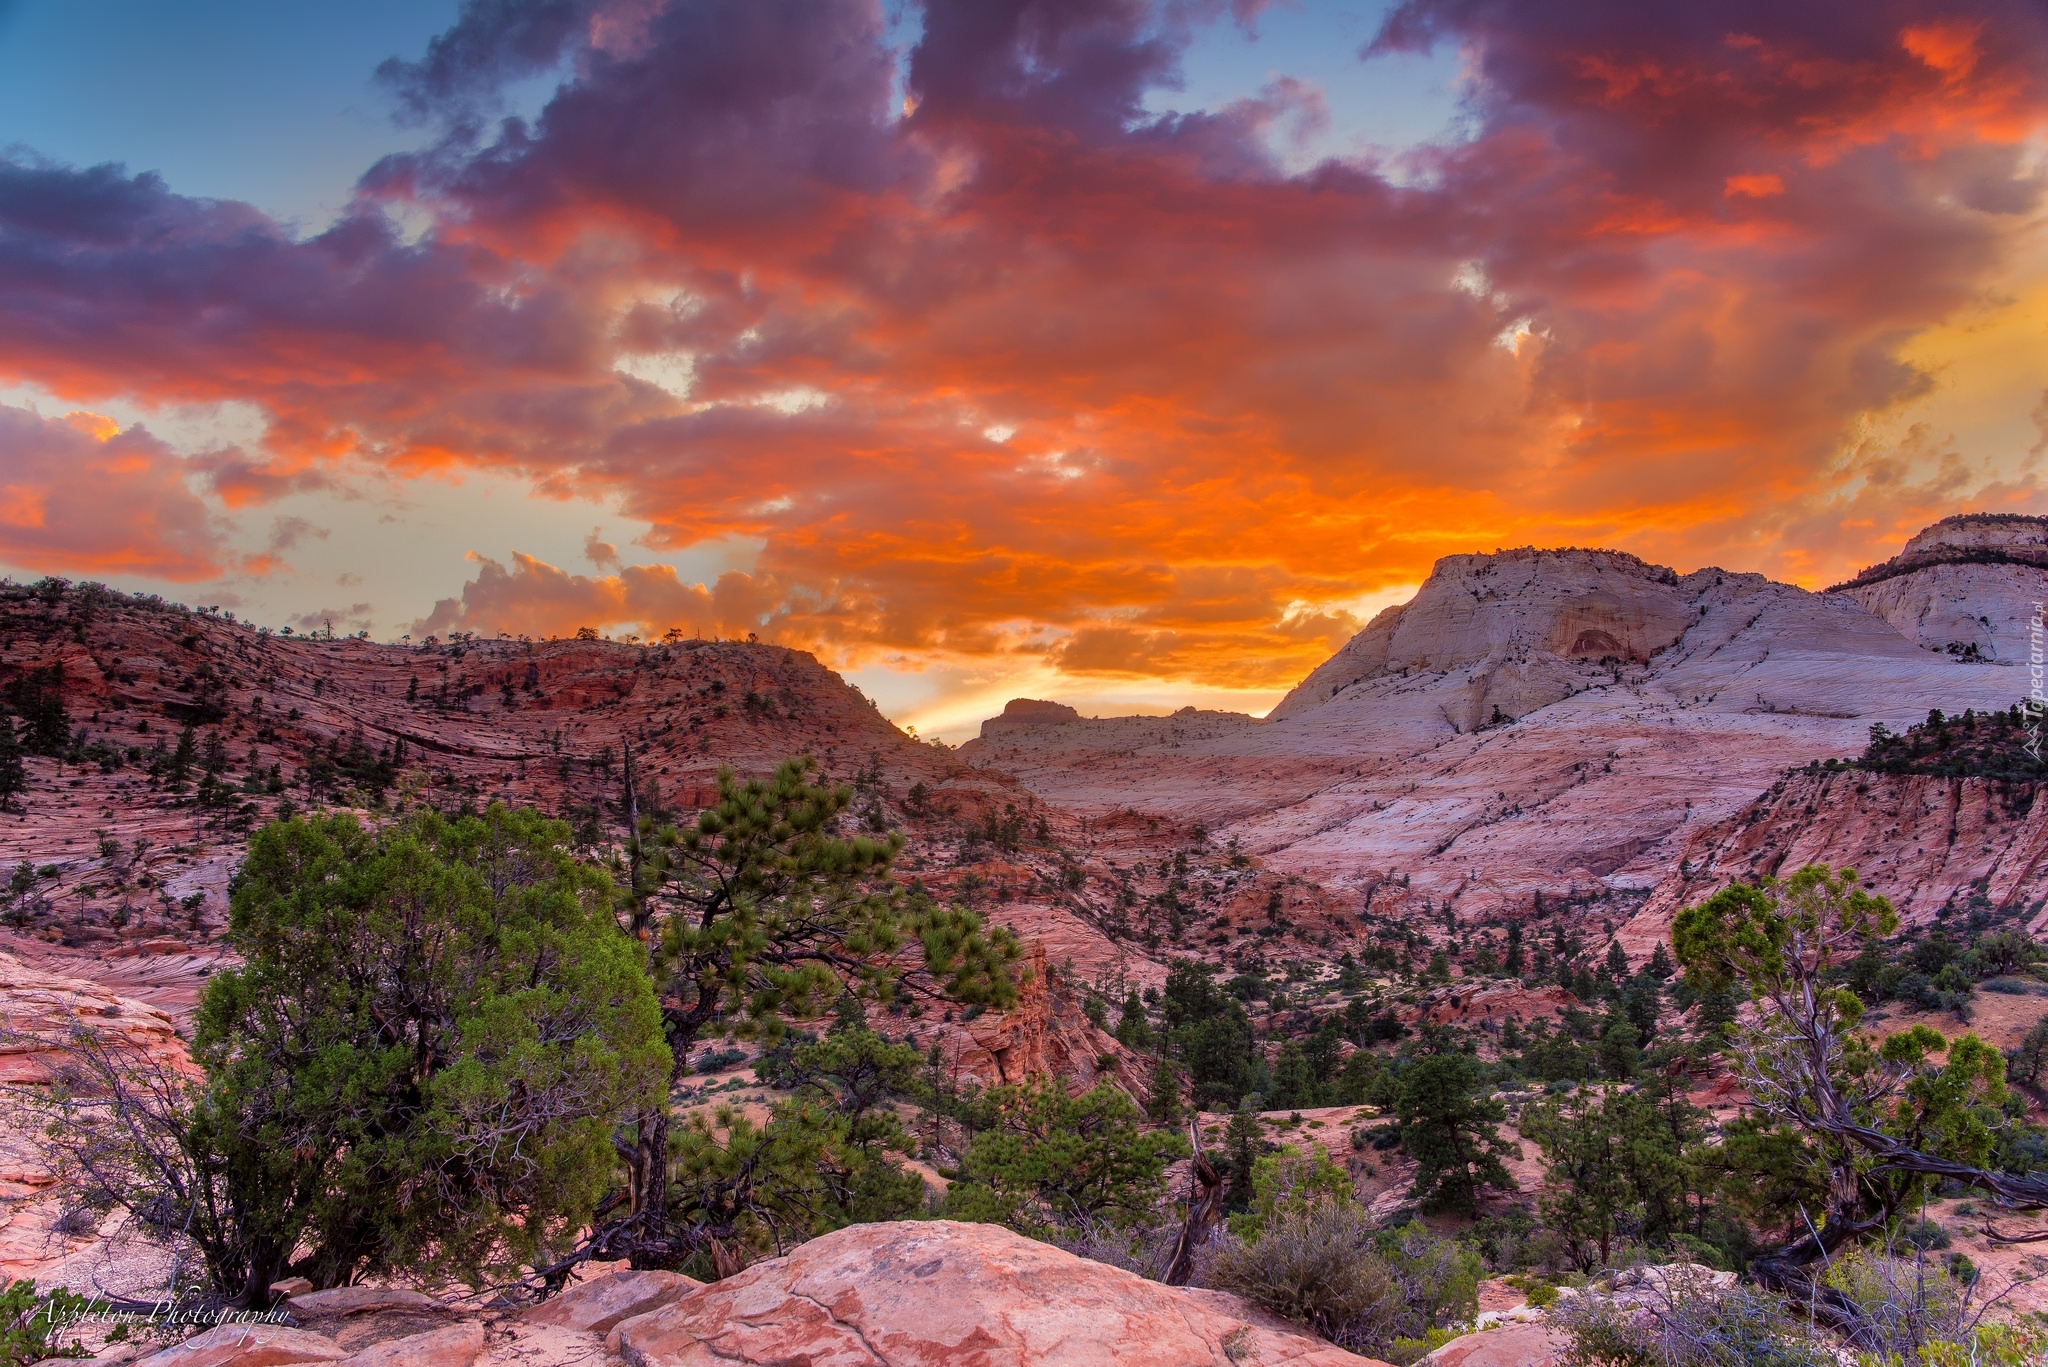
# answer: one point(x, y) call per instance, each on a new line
point(1510, 1345)
point(249, 1345)
point(922, 1294)
point(455, 1346)
point(597, 1306)
point(357, 1300)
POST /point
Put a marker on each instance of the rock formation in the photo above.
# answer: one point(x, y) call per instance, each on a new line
point(40, 1012)
point(1553, 722)
point(927, 1293)
point(909, 1294)
point(1022, 712)
point(1968, 586)
point(1045, 1035)
point(1527, 616)
point(1923, 841)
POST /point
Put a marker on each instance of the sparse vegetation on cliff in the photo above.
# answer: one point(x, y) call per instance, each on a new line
point(1973, 745)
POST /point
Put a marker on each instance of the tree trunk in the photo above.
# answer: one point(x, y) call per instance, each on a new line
point(1205, 1207)
point(647, 1187)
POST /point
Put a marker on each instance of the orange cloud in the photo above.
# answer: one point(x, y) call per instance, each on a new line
point(1030, 372)
point(1755, 186)
point(79, 496)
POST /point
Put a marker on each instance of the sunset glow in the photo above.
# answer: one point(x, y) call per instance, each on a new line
point(966, 347)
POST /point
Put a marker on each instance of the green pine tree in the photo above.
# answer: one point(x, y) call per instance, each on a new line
point(182, 757)
point(1164, 1103)
point(1448, 1129)
point(13, 774)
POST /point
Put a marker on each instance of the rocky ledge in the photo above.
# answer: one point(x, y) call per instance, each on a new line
point(906, 1294)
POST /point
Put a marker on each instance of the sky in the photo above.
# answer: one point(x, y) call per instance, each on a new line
point(1132, 353)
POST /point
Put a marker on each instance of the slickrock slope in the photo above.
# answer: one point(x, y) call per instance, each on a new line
point(911, 1294)
point(927, 1293)
point(1923, 841)
point(1553, 721)
point(39, 1013)
point(1965, 586)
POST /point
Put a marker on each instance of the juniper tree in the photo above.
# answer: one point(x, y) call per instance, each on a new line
point(1051, 1160)
point(13, 775)
point(418, 1063)
point(1883, 1117)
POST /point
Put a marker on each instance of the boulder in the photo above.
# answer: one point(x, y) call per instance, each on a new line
point(1511, 1345)
point(291, 1286)
point(357, 1300)
point(925, 1293)
point(248, 1345)
point(455, 1346)
point(599, 1304)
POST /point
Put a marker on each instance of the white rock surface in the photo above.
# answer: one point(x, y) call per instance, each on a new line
point(1475, 744)
point(1942, 593)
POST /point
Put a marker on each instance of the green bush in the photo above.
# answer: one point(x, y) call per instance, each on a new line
point(1317, 1267)
point(31, 1323)
point(1289, 1182)
point(419, 1064)
point(1049, 1161)
point(1307, 1252)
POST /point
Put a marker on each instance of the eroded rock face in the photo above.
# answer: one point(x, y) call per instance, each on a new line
point(1922, 841)
point(1530, 613)
point(1029, 712)
point(40, 1012)
point(1046, 1034)
point(1966, 586)
point(923, 1294)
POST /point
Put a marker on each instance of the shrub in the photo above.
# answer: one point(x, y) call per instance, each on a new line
point(1685, 1321)
point(1049, 1160)
point(30, 1323)
point(1317, 1267)
point(1320, 1264)
point(1290, 1182)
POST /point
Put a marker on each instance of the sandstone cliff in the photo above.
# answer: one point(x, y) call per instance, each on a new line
point(1967, 586)
point(1924, 842)
point(1555, 722)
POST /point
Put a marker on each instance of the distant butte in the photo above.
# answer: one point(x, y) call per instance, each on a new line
point(1020, 712)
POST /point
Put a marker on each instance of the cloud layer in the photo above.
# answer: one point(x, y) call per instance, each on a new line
point(992, 360)
point(80, 496)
